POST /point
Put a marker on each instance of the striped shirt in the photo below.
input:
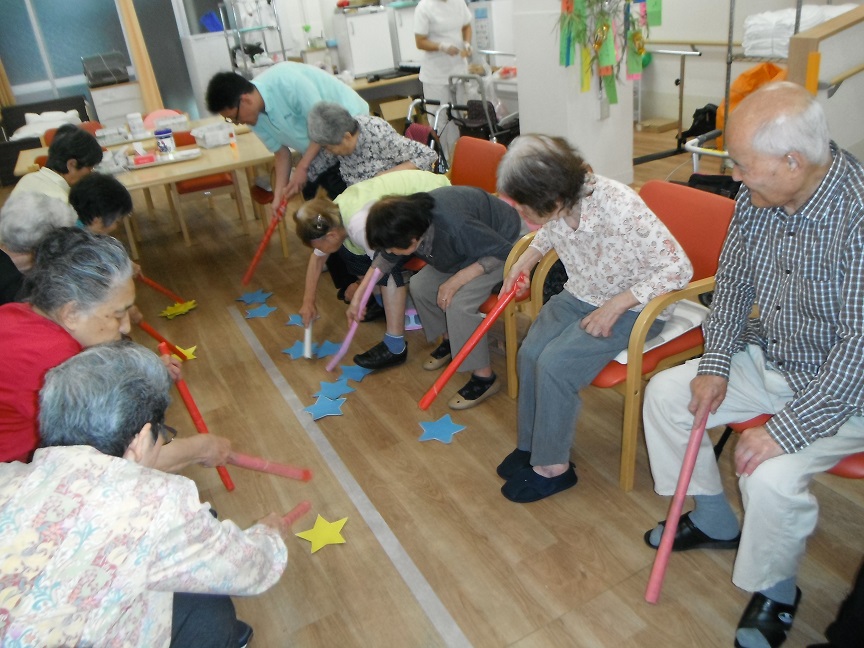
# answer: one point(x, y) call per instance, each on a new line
point(805, 274)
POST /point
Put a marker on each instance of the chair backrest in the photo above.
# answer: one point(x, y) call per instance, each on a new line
point(697, 219)
point(183, 138)
point(91, 126)
point(150, 119)
point(475, 163)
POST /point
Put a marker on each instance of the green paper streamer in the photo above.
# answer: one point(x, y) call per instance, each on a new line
point(606, 55)
point(634, 58)
point(611, 90)
point(654, 9)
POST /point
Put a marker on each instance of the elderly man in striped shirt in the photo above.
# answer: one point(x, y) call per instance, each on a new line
point(795, 251)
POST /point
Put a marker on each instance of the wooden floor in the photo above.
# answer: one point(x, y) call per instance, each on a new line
point(434, 555)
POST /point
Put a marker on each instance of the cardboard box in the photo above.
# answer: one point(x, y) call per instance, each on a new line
point(394, 111)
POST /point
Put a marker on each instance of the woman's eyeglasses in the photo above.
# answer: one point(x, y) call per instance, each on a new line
point(165, 431)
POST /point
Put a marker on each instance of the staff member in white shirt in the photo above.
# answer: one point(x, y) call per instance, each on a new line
point(442, 29)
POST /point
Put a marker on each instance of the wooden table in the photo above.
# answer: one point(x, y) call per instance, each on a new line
point(404, 86)
point(250, 152)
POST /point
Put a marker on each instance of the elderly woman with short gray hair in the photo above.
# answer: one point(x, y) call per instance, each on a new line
point(25, 220)
point(365, 146)
point(117, 553)
point(80, 292)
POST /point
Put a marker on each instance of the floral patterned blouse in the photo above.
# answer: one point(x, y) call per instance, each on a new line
point(379, 148)
point(619, 245)
point(92, 549)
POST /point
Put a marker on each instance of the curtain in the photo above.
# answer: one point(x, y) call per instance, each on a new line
point(6, 96)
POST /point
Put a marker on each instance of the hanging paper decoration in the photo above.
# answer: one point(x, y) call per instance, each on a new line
point(606, 33)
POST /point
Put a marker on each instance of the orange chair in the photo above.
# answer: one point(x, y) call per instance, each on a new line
point(699, 221)
point(261, 201)
point(851, 467)
point(475, 163)
point(209, 185)
point(89, 126)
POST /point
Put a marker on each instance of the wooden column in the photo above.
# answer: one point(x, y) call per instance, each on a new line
point(140, 58)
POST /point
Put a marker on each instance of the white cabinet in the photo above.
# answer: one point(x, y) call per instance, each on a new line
point(205, 56)
point(364, 40)
point(402, 26)
point(112, 103)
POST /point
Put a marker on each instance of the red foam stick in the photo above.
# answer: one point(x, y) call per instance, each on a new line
point(297, 512)
point(169, 348)
point(468, 347)
point(376, 275)
point(274, 223)
point(160, 288)
point(661, 559)
point(197, 419)
point(263, 465)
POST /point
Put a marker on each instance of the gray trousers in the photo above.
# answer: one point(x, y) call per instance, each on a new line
point(461, 318)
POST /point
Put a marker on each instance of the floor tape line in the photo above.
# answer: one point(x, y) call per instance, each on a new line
point(426, 597)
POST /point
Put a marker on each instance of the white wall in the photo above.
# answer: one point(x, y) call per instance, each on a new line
point(550, 101)
point(705, 76)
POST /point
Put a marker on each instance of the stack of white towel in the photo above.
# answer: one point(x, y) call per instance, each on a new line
point(767, 34)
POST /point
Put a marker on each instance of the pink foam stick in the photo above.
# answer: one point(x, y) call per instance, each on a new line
point(661, 559)
point(376, 275)
point(263, 465)
point(159, 287)
point(297, 512)
point(468, 347)
point(274, 223)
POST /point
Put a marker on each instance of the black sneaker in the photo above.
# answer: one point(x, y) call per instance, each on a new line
point(374, 310)
point(439, 357)
point(380, 357)
point(244, 634)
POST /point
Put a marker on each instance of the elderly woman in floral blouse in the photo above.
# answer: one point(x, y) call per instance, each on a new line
point(365, 146)
point(618, 255)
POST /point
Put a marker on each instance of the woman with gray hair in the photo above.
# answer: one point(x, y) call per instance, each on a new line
point(80, 293)
point(148, 565)
point(26, 219)
point(618, 256)
point(365, 146)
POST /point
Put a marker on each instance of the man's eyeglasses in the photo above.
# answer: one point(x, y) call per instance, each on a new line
point(236, 118)
point(165, 431)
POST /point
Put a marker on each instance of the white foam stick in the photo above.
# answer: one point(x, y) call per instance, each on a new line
point(307, 341)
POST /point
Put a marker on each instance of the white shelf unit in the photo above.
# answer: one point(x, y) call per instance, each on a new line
point(239, 35)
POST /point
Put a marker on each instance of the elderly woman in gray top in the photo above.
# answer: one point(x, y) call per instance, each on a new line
point(365, 146)
point(25, 220)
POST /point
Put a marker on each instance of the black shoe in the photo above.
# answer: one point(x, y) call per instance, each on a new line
point(528, 486)
point(439, 357)
point(244, 634)
point(475, 391)
point(513, 463)
point(380, 357)
point(772, 619)
point(688, 536)
point(374, 310)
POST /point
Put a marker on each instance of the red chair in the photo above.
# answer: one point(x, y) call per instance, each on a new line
point(851, 467)
point(475, 163)
point(208, 185)
point(89, 126)
point(699, 221)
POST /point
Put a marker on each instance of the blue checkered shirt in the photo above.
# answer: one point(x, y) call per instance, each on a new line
point(805, 273)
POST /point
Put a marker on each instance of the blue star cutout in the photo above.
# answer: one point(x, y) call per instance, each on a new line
point(354, 372)
point(296, 350)
point(295, 320)
point(257, 297)
point(327, 348)
point(325, 407)
point(333, 390)
point(441, 430)
point(260, 311)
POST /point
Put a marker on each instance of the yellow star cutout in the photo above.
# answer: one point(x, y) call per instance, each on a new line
point(178, 309)
point(190, 353)
point(324, 533)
